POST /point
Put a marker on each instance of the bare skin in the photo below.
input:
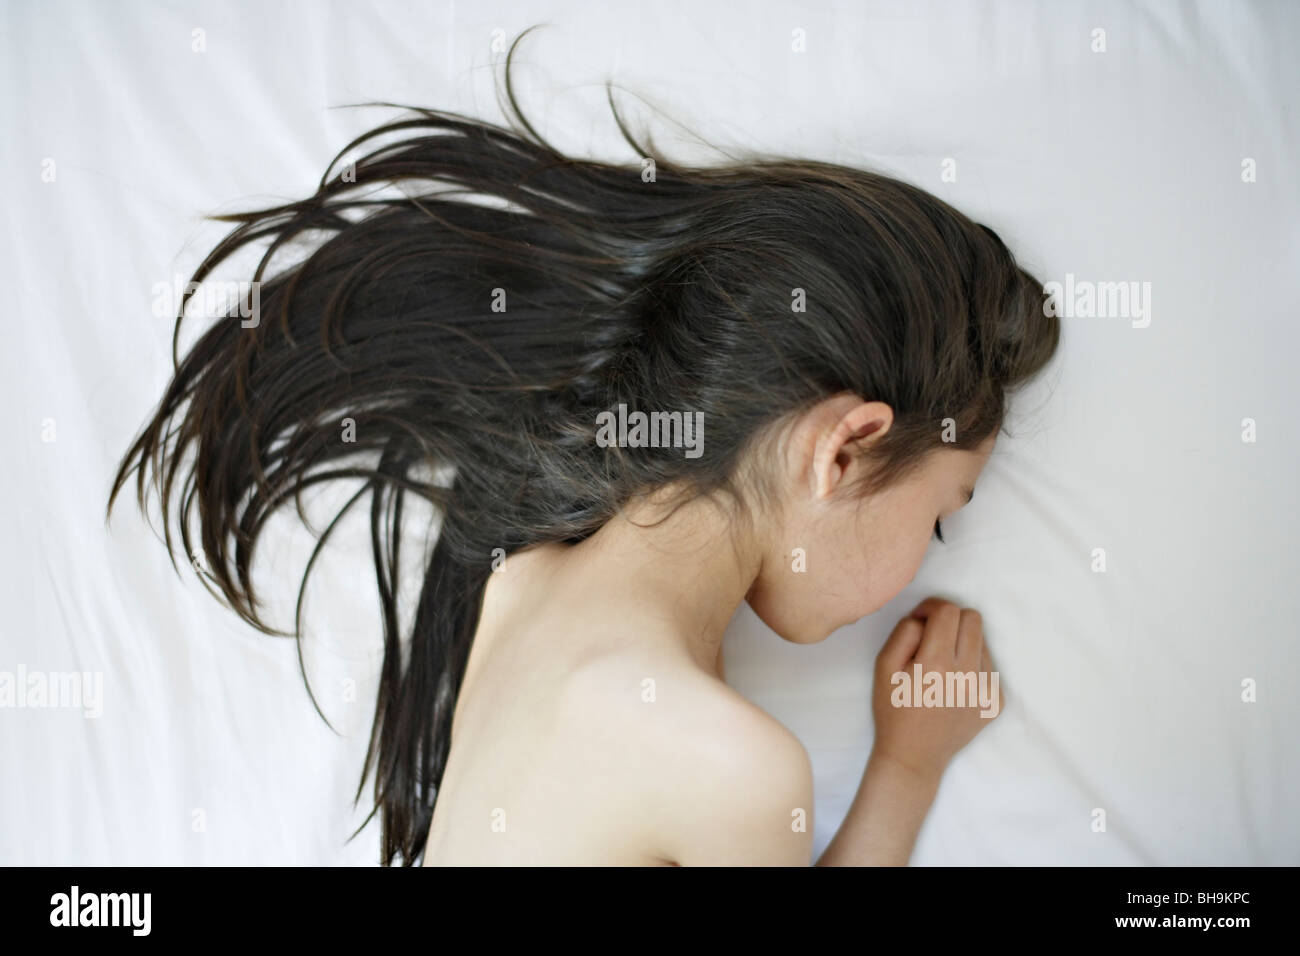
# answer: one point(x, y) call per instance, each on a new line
point(594, 725)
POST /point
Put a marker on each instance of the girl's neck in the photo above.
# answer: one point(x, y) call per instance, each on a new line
point(690, 567)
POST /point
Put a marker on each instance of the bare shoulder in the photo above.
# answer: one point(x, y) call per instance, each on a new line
point(743, 791)
point(713, 778)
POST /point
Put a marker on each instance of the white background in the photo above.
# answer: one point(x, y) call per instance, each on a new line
point(1124, 687)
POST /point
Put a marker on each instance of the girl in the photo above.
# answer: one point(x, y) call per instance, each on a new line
point(845, 342)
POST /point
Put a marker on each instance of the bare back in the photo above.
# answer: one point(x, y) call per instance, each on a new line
point(581, 739)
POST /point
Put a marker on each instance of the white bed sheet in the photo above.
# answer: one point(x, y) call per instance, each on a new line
point(1124, 688)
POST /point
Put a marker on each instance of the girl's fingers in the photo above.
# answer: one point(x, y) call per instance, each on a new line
point(927, 607)
point(902, 645)
point(940, 642)
point(970, 636)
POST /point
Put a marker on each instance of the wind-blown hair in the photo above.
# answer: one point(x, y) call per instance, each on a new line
point(746, 292)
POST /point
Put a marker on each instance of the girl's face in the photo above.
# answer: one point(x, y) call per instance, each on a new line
point(833, 558)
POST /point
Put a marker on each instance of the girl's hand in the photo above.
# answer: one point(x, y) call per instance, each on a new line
point(945, 638)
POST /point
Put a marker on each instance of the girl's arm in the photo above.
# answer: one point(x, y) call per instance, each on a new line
point(885, 817)
point(913, 744)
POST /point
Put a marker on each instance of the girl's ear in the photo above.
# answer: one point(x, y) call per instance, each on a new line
point(848, 426)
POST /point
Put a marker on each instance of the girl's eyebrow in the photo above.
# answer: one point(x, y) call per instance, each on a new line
point(970, 493)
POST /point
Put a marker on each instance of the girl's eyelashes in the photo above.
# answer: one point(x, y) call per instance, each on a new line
point(938, 530)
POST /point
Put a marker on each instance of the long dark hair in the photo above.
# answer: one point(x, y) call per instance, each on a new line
point(475, 323)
